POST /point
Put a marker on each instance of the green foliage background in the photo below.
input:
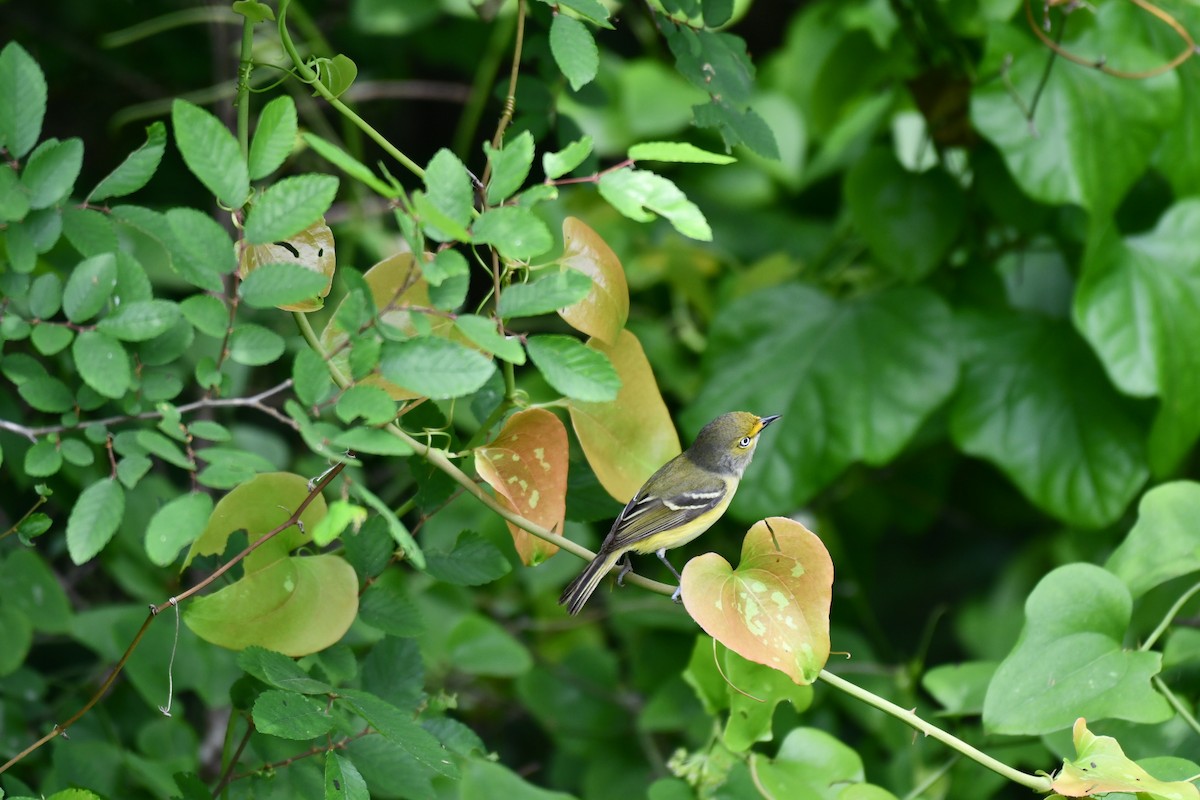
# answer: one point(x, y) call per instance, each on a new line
point(962, 268)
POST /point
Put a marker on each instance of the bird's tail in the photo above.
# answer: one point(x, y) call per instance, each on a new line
point(579, 590)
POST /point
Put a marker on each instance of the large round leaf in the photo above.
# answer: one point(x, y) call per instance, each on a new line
point(853, 379)
point(1035, 402)
point(627, 439)
point(603, 312)
point(527, 466)
point(774, 608)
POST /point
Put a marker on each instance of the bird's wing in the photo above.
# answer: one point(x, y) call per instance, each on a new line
point(648, 514)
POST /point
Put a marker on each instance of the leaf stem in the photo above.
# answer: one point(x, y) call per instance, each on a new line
point(1172, 612)
point(1038, 783)
point(242, 103)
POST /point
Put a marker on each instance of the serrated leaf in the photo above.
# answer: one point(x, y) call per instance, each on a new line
point(312, 249)
point(343, 781)
point(45, 296)
point(636, 193)
point(574, 50)
point(209, 314)
point(526, 465)
point(280, 284)
point(140, 320)
point(43, 459)
point(738, 126)
point(510, 166)
point(555, 165)
point(102, 363)
point(280, 671)
point(434, 367)
point(211, 153)
point(204, 251)
point(448, 189)
point(371, 403)
point(22, 100)
point(592, 10)
point(289, 206)
point(176, 525)
point(676, 152)
point(273, 138)
point(310, 377)
point(89, 287)
point(137, 169)
point(94, 519)
point(577, 371)
point(482, 333)
point(290, 715)
point(551, 292)
point(515, 231)
point(46, 394)
point(90, 232)
point(51, 171)
point(398, 727)
point(472, 561)
point(254, 345)
point(626, 440)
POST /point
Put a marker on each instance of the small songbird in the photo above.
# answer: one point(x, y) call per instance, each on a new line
point(678, 503)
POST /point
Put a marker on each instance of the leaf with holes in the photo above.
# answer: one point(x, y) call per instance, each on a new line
point(774, 608)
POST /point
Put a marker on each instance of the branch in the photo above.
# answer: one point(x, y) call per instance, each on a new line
point(255, 402)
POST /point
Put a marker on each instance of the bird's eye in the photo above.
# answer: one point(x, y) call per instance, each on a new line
point(745, 442)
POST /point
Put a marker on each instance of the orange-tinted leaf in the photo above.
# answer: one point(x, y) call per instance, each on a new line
point(396, 283)
point(312, 248)
point(527, 466)
point(294, 606)
point(627, 439)
point(1101, 766)
point(603, 312)
point(774, 608)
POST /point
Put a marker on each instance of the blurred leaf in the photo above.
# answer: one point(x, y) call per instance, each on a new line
point(486, 780)
point(1070, 660)
point(211, 153)
point(627, 439)
point(574, 50)
point(434, 367)
point(136, 170)
point(103, 363)
point(576, 371)
point(738, 126)
point(551, 292)
point(808, 762)
point(526, 465)
point(397, 726)
point(347, 163)
point(94, 519)
point(636, 193)
point(557, 164)
point(30, 586)
point(43, 459)
point(289, 715)
point(603, 312)
point(254, 345)
point(386, 605)
point(478, 646)
point(592, 10)
point(473, 561)
point(515, 231)
point(51, 171)
point(774, 608)
point(510, 166)
point(89, 287)
point(1034, 402)
point(176, 525)
point(676, 152)
point(1161, 544)
point(274, 137)
point(960, 688)
point(22, 100)
point(289, 206)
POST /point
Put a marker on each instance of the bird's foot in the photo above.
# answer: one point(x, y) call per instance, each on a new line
point(677, 597)
point(626, 568)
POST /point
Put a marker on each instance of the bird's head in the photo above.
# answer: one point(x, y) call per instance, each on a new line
point(727, 444)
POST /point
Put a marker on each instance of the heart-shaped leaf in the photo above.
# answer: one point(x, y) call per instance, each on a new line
point(774, 608)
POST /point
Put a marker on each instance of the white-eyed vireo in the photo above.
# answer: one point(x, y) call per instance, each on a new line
point(680, 501)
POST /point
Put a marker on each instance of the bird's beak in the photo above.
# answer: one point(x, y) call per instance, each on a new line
point(764, 422)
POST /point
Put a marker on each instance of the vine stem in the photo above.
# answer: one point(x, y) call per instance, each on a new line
point(310, 77)
point(1038, 783)
point(1169, 617)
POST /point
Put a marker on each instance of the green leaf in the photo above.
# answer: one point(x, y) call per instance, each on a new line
point(140, 321)
point(207, 313)
point(573, 369)
point(310, 377)
point(347, 163)
point(716, 63)
point(395, 527)
point(482, 333)
point(434, 367)
point(211, 153)
point(254, 345)
point(752, 709)
point(273, 138)
point(1070, 661)
point(94, 519)
point(592, 10)
point(716, 12)
point(1077, 155)
point(387, 606)
point(448, 189)
point(131, 469)
point(909, 220)
point(210, 431)
point(373, 404)
point(1034, 402)
point(574, 50)
point(546, 294)
point(176, 525)
point(43, 459)
point(478, 646)
point(515, 231)
point(555, 165)
point(156, 444)
point(676, 152)
point(437, 225)
point(289, 206)
point(204, 252)
point(51, 339)
point(90, 232)
point(738, 126)
point(47, 394)
point(397, 726)
point(343, 781)
point(1139, 307)
point(281, 283)
point(254, 11)
point(22, 100)
point(486, 780)
point(102, 363)
point(337, 73)
point(1162, 543)
point(636, 193)
point(874, 368)
point(372, 440)
point(808, 762)
point(510, 167)
point(77, 452)
point(14, 199)
point(45, 296)
point(136, 170)
point(51, 171)
point(289, 715)
point(30, 586)
point(280, 671)
point(342, 515)
point(89, 287)
point(473, 561)
point(17, 632)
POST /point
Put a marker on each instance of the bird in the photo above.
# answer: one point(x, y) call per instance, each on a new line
point(678, 503)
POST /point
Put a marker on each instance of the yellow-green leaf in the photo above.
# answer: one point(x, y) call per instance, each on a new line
point(1101, 766)
point(527, 466)
point(627, 439)
point(774, 608)
point(603, 312)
